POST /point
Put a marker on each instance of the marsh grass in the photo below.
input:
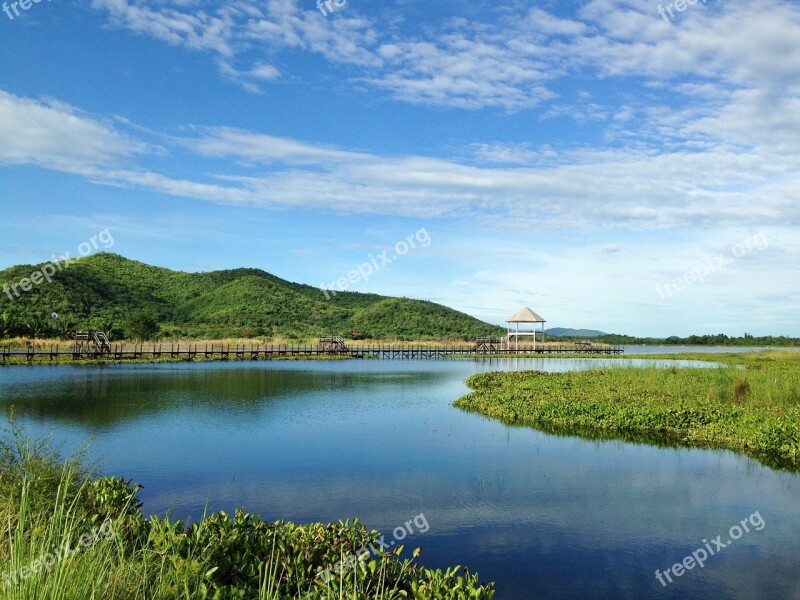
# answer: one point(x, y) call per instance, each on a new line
point(46, 560)
point(42, 514)
point(750, 404)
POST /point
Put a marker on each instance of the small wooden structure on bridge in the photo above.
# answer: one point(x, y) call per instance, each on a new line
point(488, 345)
point(333, 344)
point(92, 343)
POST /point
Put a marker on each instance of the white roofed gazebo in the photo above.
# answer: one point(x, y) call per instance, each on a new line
point(525, 315)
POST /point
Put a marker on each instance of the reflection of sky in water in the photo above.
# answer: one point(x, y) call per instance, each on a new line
point(546, 516)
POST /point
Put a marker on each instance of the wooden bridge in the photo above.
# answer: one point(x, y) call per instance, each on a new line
point(330, 346)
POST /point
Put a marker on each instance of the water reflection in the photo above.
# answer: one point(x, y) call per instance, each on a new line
point(99, 397)
point(547, 516)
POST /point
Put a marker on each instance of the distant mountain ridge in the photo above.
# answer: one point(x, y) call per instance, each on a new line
point(101, 291)
point(567, 332)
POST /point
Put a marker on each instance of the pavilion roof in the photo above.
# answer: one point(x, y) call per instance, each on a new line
point(525, 315)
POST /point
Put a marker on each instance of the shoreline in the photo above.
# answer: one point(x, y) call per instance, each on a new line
point(47, 353)
point(19, 361)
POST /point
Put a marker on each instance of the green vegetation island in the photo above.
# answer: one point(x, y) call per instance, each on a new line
point(748, 404)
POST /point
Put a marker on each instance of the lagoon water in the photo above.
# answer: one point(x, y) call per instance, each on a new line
point(545, 516)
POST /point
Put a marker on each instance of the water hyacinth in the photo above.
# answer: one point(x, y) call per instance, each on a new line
point(750, 404)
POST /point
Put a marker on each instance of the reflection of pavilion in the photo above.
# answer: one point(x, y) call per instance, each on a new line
point(526, 315)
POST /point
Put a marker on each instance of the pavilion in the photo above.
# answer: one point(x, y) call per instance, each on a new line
point(525, 315)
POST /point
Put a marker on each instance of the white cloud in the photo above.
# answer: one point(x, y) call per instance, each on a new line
point(57, 136)
point(249, 79)
point(710, 53)
point(195, 29)
point(265, 149)
point(518, 188)
point(466, 69)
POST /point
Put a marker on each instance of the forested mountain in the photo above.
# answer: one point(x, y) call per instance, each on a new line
point(111, 293)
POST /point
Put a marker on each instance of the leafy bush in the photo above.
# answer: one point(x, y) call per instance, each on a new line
point(141, 326)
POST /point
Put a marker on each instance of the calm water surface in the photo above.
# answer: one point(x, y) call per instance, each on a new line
point(545, 516)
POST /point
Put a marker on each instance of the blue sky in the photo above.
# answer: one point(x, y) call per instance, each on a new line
point(607, 165)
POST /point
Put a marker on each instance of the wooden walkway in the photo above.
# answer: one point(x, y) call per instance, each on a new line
point(266, 352)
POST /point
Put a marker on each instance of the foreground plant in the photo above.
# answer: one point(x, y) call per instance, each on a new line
point(68, 536)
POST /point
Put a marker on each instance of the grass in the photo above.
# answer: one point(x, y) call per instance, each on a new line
point(67, 535)
point(750, 404)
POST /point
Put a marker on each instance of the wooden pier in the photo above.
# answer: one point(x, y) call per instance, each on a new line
point(327, 347)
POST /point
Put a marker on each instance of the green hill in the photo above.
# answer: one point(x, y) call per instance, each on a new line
point(104, 290)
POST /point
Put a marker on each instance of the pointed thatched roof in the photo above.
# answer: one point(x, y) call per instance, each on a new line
point(526, 315)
